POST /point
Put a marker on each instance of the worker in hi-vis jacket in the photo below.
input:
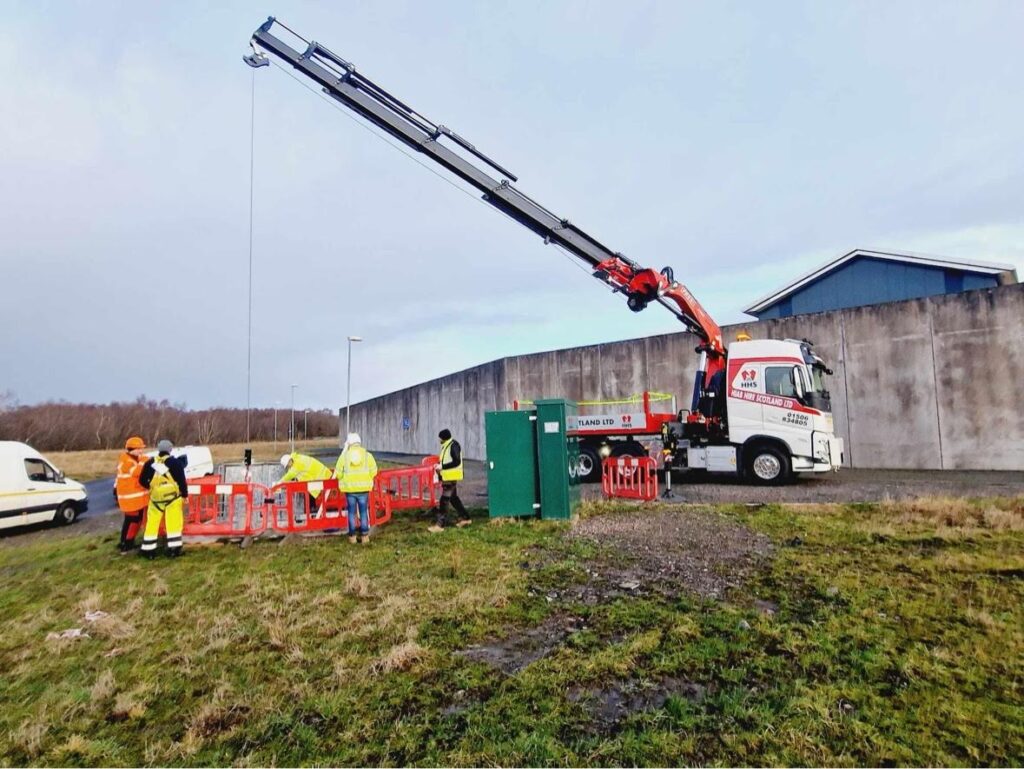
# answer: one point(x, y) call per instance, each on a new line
point(355, 471)
point(164, 476)
point(449, 471)
point(300, 467)
point(132, 498)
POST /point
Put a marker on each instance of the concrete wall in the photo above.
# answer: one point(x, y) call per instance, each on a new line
point(923, 384)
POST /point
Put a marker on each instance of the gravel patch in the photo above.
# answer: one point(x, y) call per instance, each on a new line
point(673, 550)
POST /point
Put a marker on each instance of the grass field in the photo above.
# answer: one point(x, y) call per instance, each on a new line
point(90, 465)
point(872, 634)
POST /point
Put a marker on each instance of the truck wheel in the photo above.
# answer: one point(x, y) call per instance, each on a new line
point(65, 514)
point(767, 465)
point(590, 465)
point(631, 449)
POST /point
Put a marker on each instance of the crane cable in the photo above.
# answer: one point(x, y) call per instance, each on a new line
point(252, 168)
point(572, 259)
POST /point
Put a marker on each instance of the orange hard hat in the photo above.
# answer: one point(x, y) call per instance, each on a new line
point(135, 442)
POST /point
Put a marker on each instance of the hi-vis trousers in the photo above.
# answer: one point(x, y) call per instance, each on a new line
point(175, 522)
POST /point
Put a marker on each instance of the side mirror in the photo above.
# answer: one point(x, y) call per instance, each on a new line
point(798, 382)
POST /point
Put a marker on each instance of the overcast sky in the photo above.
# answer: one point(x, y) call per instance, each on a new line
point(742, 143)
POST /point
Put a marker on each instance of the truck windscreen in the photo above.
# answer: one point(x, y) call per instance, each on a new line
point(819, 397)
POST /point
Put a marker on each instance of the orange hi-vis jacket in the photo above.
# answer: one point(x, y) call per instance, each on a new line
point(132, 497)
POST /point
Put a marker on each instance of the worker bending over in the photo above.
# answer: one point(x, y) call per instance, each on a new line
point(132, 498)
point(449, 471)
point(299, 467)
point(164, 476)
point(355, 472)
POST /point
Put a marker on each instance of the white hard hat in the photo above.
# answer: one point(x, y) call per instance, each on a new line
point(353, 438)
point(285, 459)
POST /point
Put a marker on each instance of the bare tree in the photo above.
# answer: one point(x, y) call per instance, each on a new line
point(58, 425)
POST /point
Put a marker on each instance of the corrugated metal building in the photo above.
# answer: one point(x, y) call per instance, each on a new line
point(863, 277)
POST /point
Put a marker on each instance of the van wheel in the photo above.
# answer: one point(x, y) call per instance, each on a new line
point(767, 465)
point(66, 514)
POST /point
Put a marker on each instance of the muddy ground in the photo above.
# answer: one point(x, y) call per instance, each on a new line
point(668, 552)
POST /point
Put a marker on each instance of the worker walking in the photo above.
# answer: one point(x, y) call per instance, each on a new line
point(300, 467)
point(449, 471)
point(355, 472)
point(164, 476)
point(132, 498)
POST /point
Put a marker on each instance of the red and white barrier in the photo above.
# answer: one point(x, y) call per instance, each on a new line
point(248, 509)
point(410, 488)
point(226, 509)
point(630, 478)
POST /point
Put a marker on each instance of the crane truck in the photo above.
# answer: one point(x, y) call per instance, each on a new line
point(759, 408)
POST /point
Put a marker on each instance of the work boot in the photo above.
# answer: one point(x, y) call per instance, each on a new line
point(366, 538)
point(149, 555)
point(464, 522)
point(353, 539)
point(435, 529)
point(175, 552)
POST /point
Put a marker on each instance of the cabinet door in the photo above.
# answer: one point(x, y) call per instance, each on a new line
point(512, 480)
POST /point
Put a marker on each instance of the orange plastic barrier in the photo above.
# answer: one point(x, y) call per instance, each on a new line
point(226, 509)
point(292, 512)
point(409, 488)
point(248, 509)
point(630, 478)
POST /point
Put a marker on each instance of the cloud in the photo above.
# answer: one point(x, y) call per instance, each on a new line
point(740, 144)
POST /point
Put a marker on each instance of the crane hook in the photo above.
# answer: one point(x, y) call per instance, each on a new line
point(256, 59)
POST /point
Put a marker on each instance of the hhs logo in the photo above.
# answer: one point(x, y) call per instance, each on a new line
point(627, 420)
point(748, 379)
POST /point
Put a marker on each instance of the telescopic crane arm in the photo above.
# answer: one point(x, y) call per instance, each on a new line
point(641, 285)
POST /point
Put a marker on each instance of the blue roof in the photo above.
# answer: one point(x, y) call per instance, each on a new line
point(870, 277)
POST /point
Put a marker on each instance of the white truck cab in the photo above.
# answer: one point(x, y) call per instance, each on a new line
point(32, 490)
point(766, 415)
point(776, 398)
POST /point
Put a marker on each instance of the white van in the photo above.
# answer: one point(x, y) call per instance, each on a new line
point(32, 490)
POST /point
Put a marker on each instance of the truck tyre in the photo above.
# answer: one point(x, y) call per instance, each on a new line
point(766, 464)
point(65, 514)
point(631, 449)
point(590, 465)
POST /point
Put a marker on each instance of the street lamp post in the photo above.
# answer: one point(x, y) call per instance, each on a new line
point(348, 387)
point(291, 431)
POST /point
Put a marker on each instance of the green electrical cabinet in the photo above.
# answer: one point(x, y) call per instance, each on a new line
point(512, 484)
point(532, 461)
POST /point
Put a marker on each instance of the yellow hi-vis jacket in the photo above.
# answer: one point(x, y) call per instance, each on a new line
point(355, 470)
point(306, 468)
point(450, 474)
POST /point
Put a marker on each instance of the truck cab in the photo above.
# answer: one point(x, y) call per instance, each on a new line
point(767, 414)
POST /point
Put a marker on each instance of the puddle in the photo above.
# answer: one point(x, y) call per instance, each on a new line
point(608, 705)
point(522, 648)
